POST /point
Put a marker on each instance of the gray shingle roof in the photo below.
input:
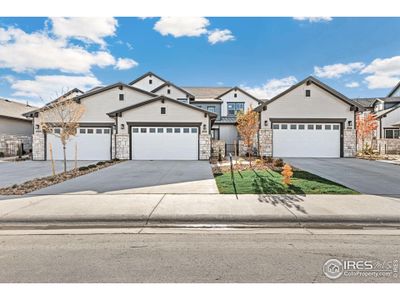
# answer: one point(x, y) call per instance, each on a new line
point(204, 92)
point(365, 102)
point(226, 120)
point(386, 111)
point(12, 109)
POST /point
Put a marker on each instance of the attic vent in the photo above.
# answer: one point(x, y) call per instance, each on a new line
point(308, 82)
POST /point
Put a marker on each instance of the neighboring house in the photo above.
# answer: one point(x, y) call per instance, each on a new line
point(12, 121)
point(309, 119)
point(387, 110)
point(14, 127)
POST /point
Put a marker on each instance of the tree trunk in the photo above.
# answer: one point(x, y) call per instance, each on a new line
point(65, 158)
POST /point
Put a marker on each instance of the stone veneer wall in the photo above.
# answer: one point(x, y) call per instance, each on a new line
point(349, 143)
point(38, 146)
point(218, 146)
point(265, 140)
point(205, 146)
point(122, 146)
point(9, 144)
point(389, 146)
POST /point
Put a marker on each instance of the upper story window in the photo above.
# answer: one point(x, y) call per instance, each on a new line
point(163, 110)
point(121, 97)
point(235, 95)
point(150, 81)
point(234, 107)
point(168, 91)
point(308, 93)
point(392, 133)
point(211, 109)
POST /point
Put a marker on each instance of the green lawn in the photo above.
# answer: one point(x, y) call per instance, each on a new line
point(270, 182)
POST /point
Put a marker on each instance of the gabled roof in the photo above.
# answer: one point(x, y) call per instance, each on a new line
point(13, 109)
point(93, 92)
point(365, 102)
point(145, 75)
point(394, 90)
point(318, 83)
point(206, 92)
point(175, 86)
point(384, 112)
point(226, 120)
point(111, 86)
point(113, 113)
point(241, 90)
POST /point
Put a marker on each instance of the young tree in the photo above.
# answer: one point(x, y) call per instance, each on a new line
point(247, 126)
point(287, 174)
point(366, 125)
point(64, 113)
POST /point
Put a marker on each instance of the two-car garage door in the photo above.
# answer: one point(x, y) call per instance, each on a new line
point(90, 143)
point(165, 143)
point(306, 139)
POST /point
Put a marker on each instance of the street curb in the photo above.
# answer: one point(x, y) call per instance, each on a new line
point(168, 223)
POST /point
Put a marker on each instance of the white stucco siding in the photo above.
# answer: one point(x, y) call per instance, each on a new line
point(391, 118)
point(174, 92)
point(98, 105)
point(175, 113)
point(228, 133)
point(144, 83)
point(295, 105)
point(241, 97)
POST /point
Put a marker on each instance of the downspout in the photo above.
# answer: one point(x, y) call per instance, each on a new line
point(115, 136)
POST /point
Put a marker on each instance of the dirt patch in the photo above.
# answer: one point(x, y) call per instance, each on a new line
point(40, 183)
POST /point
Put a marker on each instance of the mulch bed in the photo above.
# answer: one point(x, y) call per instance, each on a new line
point(39, 183)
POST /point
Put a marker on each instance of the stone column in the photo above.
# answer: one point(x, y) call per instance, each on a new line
point(265, 140)
point(205, 146)
point(122, 146)
point(349, 143)
point(218, 146)
point(38, 146)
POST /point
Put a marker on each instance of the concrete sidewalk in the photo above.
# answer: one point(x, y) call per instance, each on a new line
point(127, 210)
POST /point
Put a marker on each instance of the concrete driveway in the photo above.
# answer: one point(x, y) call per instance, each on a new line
point(141, 177)
point(18, 172)
point(367, 177)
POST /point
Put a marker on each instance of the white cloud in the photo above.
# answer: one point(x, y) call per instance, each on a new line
point(125, 64)
point(22, 52)
point(272, 87)
point(352, 84)
point(220, 36)
point(182, 26)
point(385, 72)
point(337, 70)
point(313, 19)
point(90, 30)
point(49, 87)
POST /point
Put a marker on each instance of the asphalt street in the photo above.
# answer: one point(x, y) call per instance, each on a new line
point(193, 256)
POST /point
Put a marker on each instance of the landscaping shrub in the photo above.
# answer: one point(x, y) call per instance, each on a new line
point(269, 160)
point(100, 163)
point(1, 154)
point(91, 166)
point(84, 168)
point(278, 163)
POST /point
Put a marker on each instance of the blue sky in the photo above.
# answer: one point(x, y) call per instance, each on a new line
point(39, 57)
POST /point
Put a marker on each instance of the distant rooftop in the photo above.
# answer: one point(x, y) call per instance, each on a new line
point(13, 109)
point(204, 92)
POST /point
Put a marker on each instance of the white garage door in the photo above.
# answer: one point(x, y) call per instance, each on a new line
point(306, 140)
point(91, 143)
point(165, 143)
